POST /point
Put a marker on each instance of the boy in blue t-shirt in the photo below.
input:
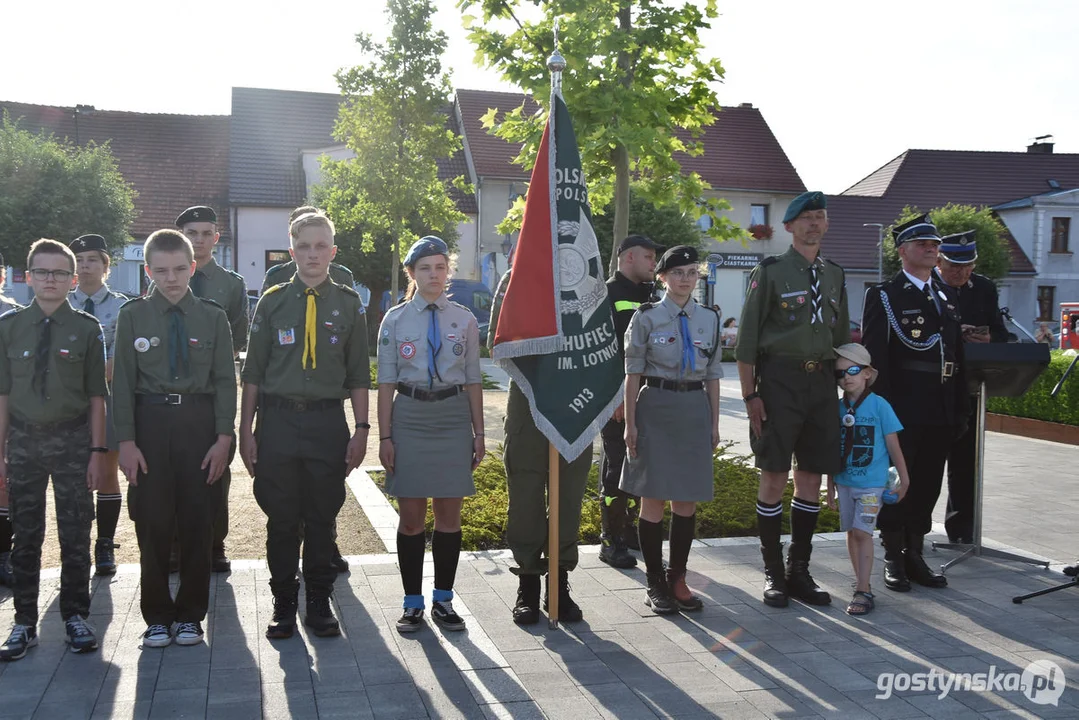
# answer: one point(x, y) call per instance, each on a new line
point(870, 445)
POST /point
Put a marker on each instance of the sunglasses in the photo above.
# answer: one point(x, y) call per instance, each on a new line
point(852, 371)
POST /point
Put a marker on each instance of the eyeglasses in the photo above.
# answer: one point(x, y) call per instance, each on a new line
point(852, 371)
point(59, 275)
point(682, 274)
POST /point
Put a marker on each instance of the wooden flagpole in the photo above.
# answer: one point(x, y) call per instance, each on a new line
point(552, 537)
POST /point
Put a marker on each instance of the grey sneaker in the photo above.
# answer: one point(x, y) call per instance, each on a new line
point(444, 615)
point(80, 634)
point(21, 639)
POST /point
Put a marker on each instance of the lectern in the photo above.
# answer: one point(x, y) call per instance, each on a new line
point(995, 370)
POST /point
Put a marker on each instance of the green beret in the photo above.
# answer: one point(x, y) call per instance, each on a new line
point(812, 200)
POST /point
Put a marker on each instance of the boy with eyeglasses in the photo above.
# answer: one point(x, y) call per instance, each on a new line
point(869, 445)
point(52, 419)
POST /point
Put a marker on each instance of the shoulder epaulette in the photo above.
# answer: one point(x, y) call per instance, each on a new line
point(348, 290)
point(770, 260)
point(274, 288)
point(459, 305)
point(342, 268)
point(647, 305)
point(85, 314)
point(833, 262)
point(235, 274)
point(135, 300)
point(208, 301)
point(11, 313)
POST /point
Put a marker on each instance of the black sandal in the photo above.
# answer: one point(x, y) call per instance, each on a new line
point(861, 603)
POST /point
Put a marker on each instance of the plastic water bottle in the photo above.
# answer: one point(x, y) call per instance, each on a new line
point(889, 495)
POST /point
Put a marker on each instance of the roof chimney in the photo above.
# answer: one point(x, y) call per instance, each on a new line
point(746, 105)
point(1040, 146)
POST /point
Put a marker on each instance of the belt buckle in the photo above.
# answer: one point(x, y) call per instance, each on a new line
point(811, 366)
point(173, 399)
point(948, 369)
point(680, 386)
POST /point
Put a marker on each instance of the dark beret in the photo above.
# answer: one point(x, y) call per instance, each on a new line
point(88, 242)
point(959, 248)
point(632, 241)
point(919, 228)
point(812, 200)
point(677, 256)
point(425, 247)
point(199, 213)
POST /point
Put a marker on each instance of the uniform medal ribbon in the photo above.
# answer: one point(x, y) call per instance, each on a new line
point(310, 325)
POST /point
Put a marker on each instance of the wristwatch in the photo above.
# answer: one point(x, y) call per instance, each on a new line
point(363, 426)
point(751, 396)
point(99, 449)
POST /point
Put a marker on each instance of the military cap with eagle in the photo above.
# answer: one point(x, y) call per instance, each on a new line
point(677, 256)
point(199, 213)
point(83, 243)
point(960, 248)
point(919, 228)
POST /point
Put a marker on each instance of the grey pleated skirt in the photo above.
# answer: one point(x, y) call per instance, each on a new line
point(432, 448)
point(674, 447)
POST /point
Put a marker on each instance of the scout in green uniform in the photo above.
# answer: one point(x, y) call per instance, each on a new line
point(283, 273)
point(227, 289)
point(794, 315)
point(174, 392)
point(306, 353)
point(342, 276)
point(52, 419)
point(526, 456)
point(6, 304)
point(93, 296)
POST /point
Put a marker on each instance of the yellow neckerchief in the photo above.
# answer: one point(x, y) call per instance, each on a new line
point(309, 337)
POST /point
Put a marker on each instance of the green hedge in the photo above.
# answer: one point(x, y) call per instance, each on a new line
point(733, 512)
point(1036, 402)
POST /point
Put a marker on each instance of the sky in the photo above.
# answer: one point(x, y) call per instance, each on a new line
point(845, 85)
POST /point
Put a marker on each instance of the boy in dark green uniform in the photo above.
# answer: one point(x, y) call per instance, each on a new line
point(175, 400)
point(307, 351)
point(283, 273)
point(52, 418)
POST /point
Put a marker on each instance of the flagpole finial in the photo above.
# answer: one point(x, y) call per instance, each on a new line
point(556, 63)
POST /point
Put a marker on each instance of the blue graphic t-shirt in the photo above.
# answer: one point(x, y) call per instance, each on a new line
point(866, 463)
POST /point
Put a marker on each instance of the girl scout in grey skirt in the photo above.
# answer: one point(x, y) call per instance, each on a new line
point(672, 422)
point(432, 431)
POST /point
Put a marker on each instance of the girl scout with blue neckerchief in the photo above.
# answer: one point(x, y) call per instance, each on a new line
point(672, 422)
point(431, 430)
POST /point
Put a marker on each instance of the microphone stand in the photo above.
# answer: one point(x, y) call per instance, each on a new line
point(1004, 313)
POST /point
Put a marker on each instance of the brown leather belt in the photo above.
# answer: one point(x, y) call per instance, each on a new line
point(674, 385)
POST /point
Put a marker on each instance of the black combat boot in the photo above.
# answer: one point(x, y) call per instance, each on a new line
point(613, 521)
point(568, 611)
point(775, 580)
point(283, 624)
point(104, 557)
point(658, 596)
point(800, 584)
point(916, 567)
point(526, 611)
point(895, 571)
point(320, 617)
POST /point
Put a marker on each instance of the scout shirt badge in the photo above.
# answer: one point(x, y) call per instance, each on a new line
point(286, 337)
point(142, 344)
point(408, 351)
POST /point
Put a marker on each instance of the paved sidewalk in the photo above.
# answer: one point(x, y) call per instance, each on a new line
point(736, 658)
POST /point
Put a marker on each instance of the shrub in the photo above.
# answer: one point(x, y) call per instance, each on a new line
point(733, 512)
point(1036, 402)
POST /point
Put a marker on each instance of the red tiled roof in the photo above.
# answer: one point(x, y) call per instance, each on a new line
point(855, 247)
point(740, 151)
point(172, 161)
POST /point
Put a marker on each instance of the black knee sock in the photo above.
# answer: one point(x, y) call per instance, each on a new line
point(5, 531)
point(803, 520)
point(410, 550)
point(446, 550)
point(108, 512)
point(769, 523)
point(650, 535)
point(683, 528)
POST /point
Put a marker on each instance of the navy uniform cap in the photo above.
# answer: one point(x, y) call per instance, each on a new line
point(677, 256)
point(199, 213)
point(812, 200)
point(83, 243)
point(425, 247)
point(960, 248)
point(919, 228)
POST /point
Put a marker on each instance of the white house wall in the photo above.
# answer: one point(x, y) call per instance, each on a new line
point(257, 231)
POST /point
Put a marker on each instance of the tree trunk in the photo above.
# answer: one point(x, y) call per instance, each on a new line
point(620, 158)
point(395, 273)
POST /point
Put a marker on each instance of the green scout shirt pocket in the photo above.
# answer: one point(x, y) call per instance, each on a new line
point(833, 303)
point(792, 307)
point(285, 333)
point(201, 352)
point(69, 366)
point(22, 364)
point(335, 335)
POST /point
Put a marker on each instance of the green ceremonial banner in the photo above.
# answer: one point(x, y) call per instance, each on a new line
point(555, 333)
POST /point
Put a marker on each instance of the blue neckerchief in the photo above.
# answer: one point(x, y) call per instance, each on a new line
point(689, 358)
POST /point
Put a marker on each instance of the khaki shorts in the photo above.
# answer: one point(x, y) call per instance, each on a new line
point(858, 507)
point(803, 418)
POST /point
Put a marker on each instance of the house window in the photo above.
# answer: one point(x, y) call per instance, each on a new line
point(1047, 302)
point(1061, 227)
point(758, 214)
point(276, 257)
point(704, 223)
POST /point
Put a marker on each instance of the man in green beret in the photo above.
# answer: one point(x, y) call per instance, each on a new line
point(795, 313)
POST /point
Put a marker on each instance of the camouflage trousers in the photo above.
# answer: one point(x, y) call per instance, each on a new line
point(33, 456)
